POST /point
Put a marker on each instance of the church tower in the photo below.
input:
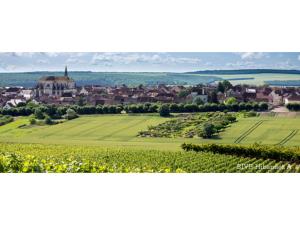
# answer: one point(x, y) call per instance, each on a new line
point(66, 71)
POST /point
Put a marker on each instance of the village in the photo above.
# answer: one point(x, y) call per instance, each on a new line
point(62, 90)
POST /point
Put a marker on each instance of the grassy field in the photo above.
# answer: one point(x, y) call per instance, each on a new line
point(121, 131)
point(259, 79)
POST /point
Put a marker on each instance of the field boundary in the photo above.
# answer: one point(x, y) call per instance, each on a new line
point(249, 131)
point(287, 138)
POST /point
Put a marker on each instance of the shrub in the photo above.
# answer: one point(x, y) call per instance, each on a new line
point(38, 113)
point(70, 114)
point(5, 119)
point(164, 110)
point(208, 130)
point(48, 120)
point(32, 121)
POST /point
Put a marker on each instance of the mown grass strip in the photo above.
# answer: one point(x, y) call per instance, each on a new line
point(249, 131)
point(287, 138)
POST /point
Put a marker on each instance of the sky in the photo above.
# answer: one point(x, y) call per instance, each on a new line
point(146, 61)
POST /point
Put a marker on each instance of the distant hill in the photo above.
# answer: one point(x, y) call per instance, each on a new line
point(244, 71)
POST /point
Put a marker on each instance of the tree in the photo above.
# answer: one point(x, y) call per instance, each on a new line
point(221, 87)
point(71, 114)
point(21, 104)
point(81, 101)
point(198, 101)
point(230, 101)
point(227, 85)
point(174, 108)
point(208, 130)
point(213, 97)
point(263, 106)
point(184, 93)
point(164, 110)
point(38, 113)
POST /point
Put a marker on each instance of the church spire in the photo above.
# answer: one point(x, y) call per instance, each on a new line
point(66, 71)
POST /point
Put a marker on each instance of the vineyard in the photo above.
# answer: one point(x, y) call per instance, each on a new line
point(92, 159)
point(110, 143)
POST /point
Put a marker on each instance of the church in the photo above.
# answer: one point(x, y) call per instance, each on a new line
point(55, 85)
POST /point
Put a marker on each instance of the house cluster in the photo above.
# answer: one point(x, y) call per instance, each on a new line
point(275, 96)
point(62, 90)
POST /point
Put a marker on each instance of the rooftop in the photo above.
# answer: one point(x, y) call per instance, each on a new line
point(56, 78)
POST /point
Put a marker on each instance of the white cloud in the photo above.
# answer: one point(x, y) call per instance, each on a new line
point(50, 54)
point(130, 58)
point(299, 57)
point(252, 55)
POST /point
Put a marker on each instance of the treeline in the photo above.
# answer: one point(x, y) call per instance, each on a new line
point(279, 153)
point(293, 106)
point(57, 111)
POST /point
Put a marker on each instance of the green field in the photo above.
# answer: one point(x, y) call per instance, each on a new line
point(121, 131)
point(109, 143)
point(259, 79)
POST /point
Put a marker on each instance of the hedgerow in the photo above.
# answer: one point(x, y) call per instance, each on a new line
point(278, 153)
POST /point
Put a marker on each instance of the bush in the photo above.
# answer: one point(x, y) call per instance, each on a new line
point(208, 130)
point(32, 121)
point(70, 114)
point(48, 120)
point(5, 119)
point(164, 110)
point(38, 113)
point(293, 106)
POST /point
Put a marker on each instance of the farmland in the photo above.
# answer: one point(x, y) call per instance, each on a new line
point(60, 158)
point(122, 131)
point(110, 143)
point(135, 78)
point(259, 79)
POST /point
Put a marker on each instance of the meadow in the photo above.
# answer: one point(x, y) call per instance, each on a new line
point(260, 79)
point(122, 131)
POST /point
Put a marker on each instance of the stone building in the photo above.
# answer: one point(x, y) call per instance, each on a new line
point(55, 85)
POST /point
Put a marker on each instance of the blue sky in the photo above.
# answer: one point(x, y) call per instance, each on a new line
point(146, 61)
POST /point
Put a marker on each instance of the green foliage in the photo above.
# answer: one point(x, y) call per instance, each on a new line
point(38, 113)
point(227, 85)
point(198, 101)
point(293, 106)
point(184, 93)
point(48, 120)
point(164, 110)
point(194, 125)
point(213, 97)
point(71, 114)
point(32, 121)
point(224, 86)
point(208, 130)
point(279, 153)
point(21, 104)
point(34, 158)
point(230, 101)
point(221, 87)
point(5, 119)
